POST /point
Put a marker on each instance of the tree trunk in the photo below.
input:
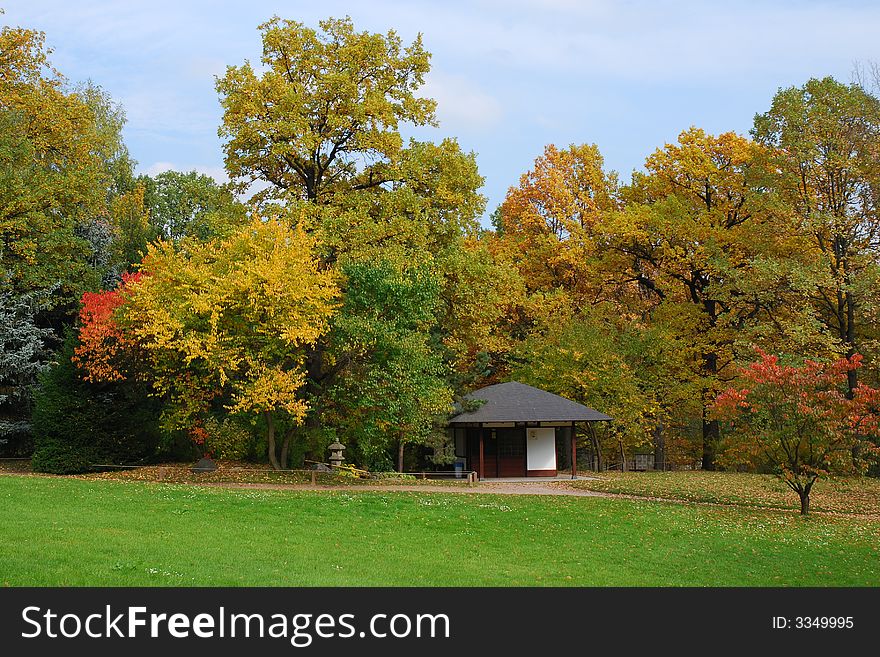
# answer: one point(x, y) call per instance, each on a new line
point(711, 436)
point(849, 338)
point(711, 428)
point(804, 494)
point(314, 377)
point(270, 423)
point(852, 377)
point(659, 448)
point(594, 441)
point(400, 455)
point(805, 502)
point(622, 455)
point(285, 448)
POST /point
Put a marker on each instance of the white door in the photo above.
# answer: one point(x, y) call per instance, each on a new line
point(541, 449)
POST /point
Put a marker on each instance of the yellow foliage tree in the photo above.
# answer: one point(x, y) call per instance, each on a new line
point(231, 320)
point(823, 141)
point(323, 117)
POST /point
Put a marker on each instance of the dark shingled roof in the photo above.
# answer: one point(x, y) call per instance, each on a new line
point(517, 402)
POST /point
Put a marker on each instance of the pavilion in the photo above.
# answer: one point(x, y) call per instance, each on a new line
point(519, 431)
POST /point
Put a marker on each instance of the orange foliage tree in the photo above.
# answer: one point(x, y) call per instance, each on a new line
point(548, 221)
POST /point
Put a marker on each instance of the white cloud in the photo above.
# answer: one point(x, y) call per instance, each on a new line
point(205, 68)
point(461, 104)
point(159, 167)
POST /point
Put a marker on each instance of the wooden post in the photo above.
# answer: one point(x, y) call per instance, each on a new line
point(314, 477)
point(574, 454)
point(482, 471)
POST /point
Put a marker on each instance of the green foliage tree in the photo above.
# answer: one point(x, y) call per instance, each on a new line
point(190, 205)
point(78, 425)
point(391, 389)
point(23, 356)
point(60, 158)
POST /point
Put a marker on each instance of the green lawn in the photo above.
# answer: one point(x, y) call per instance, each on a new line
point(58, 531)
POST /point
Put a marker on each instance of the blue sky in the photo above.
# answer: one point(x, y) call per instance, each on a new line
point(510, 75)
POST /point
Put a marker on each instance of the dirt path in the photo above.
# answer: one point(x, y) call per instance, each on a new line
point(506, 488)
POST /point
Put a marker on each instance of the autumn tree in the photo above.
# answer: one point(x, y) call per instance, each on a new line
point(227, 322)
point(547, 231)
point(695, 247)
point(59, 149)
point(635, 372)
point(799, 420)
point(104, 351)
point(62, 161)
point(825, 139)
point(324, 116)
point(702, 239)
point(550, 219)
point(320, 128)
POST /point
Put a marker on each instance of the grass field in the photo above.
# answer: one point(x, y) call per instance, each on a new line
point(856, 495)
point(58, 531)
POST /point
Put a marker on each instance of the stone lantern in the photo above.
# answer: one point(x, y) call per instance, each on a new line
point(336, 449)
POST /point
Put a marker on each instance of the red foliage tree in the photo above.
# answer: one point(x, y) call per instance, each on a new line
point(102, 343)
point(800, 420)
